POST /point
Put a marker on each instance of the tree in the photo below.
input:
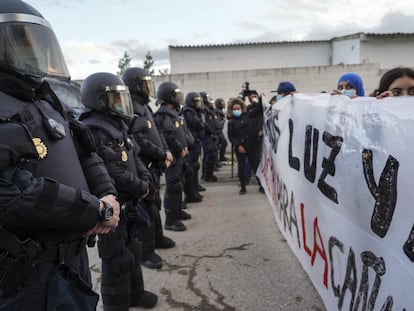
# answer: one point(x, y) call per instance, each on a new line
point(124, 63)
point(148, 63)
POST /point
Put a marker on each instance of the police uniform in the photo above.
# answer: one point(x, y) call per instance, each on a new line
point(50, 212)
point(170, 126)
point(153, 153)
point(195, 121)
point(222, 141)
point(109, 108)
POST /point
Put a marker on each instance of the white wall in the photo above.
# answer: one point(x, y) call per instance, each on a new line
point(346, 51)
point(249, 56)
point(228, 84)
point(390, 53)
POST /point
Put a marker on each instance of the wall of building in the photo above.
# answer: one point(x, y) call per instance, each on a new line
point(346, 51)
point(249, 56)
point(311, 79)
point(389, 53)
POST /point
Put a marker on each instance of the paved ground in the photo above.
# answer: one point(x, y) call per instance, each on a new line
point(232, 257)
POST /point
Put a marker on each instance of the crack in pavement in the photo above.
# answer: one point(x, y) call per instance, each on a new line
point(204, 304)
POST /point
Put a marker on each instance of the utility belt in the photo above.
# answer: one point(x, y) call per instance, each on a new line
point(18, 259)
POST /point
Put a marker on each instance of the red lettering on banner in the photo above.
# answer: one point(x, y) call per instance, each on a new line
point(305, 245)
point(318, 247)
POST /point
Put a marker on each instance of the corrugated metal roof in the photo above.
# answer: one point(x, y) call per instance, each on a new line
point(245, 44)
point(354, 35)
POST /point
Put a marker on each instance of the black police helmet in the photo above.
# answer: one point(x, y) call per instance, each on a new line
point(208, 101)
point(28, 45)
point(220, 103)
point(194, 100)
point(139, 81)
point(170, 93)
point(105, 92)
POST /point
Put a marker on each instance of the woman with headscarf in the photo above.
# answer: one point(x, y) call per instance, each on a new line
point(350, 84)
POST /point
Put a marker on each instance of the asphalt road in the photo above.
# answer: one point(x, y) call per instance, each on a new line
point(232, 257)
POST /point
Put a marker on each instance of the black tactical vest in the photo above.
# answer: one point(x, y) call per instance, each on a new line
point(58, 158)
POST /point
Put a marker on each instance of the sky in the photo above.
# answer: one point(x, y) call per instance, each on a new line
point(95, 34)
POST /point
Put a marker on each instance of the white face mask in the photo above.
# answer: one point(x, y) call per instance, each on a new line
point(349, 92)
point(279, 97)
point(237, 113)
point(255, 100)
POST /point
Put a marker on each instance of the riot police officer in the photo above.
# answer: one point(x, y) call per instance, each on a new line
point(170, 125)
point(155, 155)
point(48, 172)
point(109, 112)
point(222, 141)
point(193, 113)
point(210, 140)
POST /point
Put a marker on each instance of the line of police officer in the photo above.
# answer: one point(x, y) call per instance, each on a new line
point(65, 181)
point(55, 191)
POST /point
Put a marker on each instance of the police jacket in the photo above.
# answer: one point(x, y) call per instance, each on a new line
point(221, 118)
point(170, 126)
point(239, 132)
point(49, 198)
point(195, 120)
point(211, 119)
point(120, 154)
point(144, 130)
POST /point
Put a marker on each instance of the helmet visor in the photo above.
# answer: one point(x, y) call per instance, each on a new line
point(31, 49)
point(198, 102)
point(210, 102)
point(178, 97)
point(119, 101)
point(148, 86)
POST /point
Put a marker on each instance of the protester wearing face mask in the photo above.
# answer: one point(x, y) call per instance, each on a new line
point(243, 142)
point(351, 85)
point(284, 88)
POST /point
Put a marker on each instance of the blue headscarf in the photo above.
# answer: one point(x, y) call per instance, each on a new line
point(355, 81)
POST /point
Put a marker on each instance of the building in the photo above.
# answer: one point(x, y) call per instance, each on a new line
point(313, 66)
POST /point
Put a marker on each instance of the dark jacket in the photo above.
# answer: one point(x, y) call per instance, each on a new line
point(58, 205)
point(239, 131)
point(120, 154)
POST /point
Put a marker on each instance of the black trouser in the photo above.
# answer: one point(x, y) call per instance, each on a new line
point(209, 157)
point(222, 147)
point(173, 191)
point(254, 160)
point(122, 282)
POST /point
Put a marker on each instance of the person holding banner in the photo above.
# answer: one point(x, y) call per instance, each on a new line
point(398, 81)
point(350, 84)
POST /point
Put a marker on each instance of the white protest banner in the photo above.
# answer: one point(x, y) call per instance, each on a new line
point(338, 174)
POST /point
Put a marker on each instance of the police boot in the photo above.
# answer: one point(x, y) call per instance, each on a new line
point(164, 242)
point(146, 300)
point(138, 297)
point(172, 221)
point(184, 215)
point(195, 197)
point(150, 259)
point(210, 178)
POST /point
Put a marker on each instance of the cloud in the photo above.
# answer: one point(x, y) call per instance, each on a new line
point(395, 22)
